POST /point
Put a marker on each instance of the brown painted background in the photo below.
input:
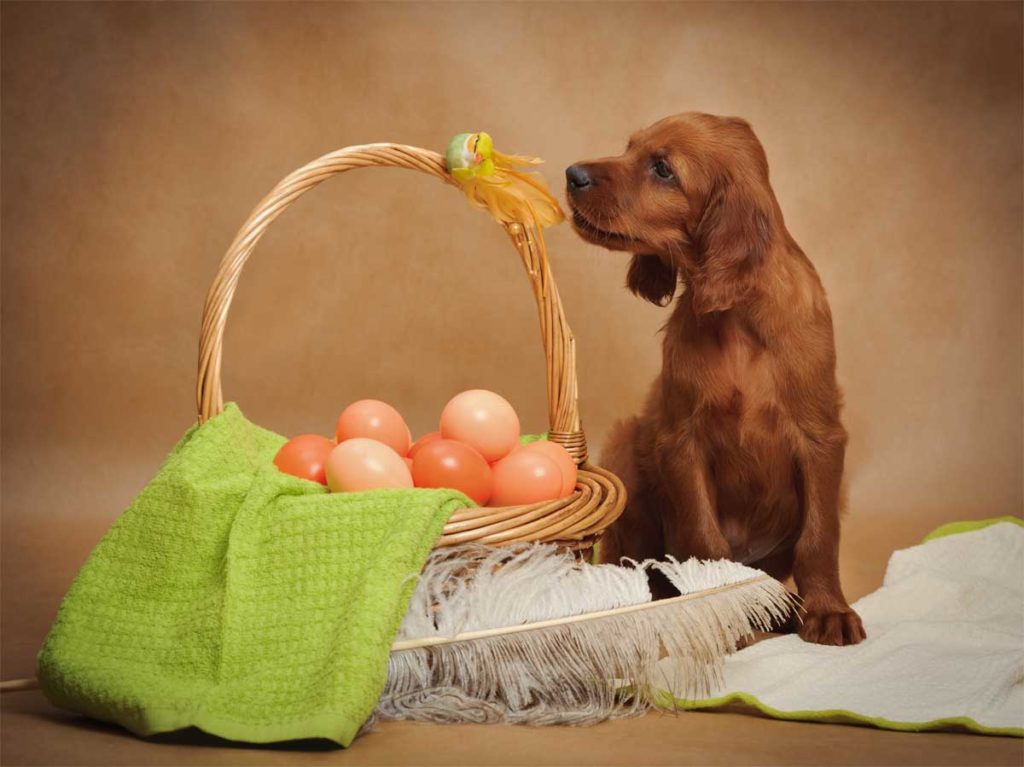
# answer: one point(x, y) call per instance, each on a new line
point(137, 137)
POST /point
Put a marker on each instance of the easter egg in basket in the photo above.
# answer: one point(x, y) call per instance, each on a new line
point(373, 419)
point(562, 459)
point(305, 456)
point(525, 476)
point(365, 464)
point(483, 420)
point(424, 440)
point(447, 463)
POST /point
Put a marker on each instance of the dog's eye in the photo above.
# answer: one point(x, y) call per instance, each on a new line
point(662, 169)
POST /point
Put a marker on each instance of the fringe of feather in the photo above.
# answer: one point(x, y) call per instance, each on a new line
point(530, 636)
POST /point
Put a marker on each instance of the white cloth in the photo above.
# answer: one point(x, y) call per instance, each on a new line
point(945, 646)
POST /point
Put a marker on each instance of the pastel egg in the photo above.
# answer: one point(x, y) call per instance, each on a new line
point(447, 463)
point(424, 440)
point(562, 458)
point(365, 464)
point(305, 456)
point(373, 419)
point(483, 420)
point(525, 476)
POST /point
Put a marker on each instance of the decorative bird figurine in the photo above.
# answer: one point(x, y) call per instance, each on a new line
point(492, 180)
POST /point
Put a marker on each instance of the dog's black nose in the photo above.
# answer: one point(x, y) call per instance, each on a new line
point(577, 177)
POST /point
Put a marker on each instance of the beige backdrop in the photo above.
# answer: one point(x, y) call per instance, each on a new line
point(137, 137)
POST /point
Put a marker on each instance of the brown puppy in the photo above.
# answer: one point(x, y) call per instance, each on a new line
point(739, 451)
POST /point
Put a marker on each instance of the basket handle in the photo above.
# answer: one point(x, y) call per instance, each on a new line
point(559, 344)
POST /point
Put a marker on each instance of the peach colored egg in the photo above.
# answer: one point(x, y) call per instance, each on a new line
point(483, 420)
point(447, 463)
point(424, 440)
point(365, 464)
point(304, 456)
point(562, 458)
point(408, 462)
point(525, 476)
point(373, 419)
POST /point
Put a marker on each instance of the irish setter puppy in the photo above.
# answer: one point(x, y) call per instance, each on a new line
point(739, 450)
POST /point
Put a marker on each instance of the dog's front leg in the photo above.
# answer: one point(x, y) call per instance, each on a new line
point(691, 523)
point(827, 617)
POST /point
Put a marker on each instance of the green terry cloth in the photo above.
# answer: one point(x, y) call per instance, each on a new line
point(237, 599)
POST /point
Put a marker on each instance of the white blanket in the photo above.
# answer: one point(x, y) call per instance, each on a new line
point(945, 646)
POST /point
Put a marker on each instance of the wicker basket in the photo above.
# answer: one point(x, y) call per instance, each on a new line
point(576, 521)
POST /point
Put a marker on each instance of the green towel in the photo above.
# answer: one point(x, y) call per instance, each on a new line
point(237, 599)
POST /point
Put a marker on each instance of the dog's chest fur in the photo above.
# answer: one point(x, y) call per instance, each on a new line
point(727, 380)
point(730, 397)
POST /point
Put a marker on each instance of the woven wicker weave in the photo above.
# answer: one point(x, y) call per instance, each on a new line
point(575, 521)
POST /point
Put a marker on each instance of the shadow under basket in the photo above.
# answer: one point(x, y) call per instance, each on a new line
point(575, 522)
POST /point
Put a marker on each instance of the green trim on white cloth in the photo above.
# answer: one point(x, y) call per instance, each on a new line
point(955, 528)
point(843, 716)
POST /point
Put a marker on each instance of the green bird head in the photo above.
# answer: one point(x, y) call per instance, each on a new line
point(470, 155)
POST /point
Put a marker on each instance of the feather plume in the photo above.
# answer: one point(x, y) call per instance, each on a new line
point(498, 183)
point(529, 635)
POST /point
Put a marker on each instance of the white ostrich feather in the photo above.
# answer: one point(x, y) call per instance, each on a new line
point(529, 635)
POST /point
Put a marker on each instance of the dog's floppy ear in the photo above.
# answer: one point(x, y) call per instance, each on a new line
point(651, 278)
point(732, 239)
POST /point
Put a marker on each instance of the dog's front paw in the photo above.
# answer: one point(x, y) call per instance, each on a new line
point(835, 624)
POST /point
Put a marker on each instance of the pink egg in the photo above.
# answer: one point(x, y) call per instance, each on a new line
point(365, 464)
point(525, 476)
point(373, 419)
point(483, 420)
point(562, 458)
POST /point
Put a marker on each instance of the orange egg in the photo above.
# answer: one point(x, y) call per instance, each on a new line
point(373, 419)
point(562, 458)
point(426, 438)
point(483, 420)
point(525, 476)
point(365, 464)
point(304, 456)
point(447, 463)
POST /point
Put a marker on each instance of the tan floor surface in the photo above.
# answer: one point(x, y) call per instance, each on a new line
point(38, 565)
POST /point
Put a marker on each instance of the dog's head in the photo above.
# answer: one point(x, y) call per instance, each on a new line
point(689, 196)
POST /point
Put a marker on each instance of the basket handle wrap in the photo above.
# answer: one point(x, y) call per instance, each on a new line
point(559, 344)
